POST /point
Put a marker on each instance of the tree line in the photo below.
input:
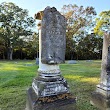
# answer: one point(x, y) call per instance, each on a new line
point(83, 35)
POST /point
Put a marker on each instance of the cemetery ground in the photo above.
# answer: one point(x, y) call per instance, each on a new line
point(16, 77)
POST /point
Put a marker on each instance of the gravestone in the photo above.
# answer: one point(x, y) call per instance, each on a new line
point(53, 37)
point(37, 61)
point(101, 97)
point(50, 90)
point(72, 62)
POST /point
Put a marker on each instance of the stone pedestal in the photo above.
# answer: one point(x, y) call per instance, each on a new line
point(55, 102)
point(50, 84)
point(101, 97)
point(100, 101)
point(50, 90)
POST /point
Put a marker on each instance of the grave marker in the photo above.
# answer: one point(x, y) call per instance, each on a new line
point(101, 97)
point(50, 90)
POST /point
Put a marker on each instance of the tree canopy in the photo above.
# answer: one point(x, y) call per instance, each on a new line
point(79, 20)
point(102, 23)
point(19, 41)
point(78, 17)
point(15, 23)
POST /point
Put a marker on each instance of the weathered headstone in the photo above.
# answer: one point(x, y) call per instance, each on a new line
point(50, 90)
point(53, 37)
point(101, 97)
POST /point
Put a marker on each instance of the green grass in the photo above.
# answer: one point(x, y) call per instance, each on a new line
point(17, 76)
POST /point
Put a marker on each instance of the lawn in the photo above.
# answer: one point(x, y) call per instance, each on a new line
point(16, 77)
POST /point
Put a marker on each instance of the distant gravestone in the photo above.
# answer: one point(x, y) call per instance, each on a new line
point(90, 61)
point(53, 37)
point(29, 64)
point(72, 62)
point(37, 61)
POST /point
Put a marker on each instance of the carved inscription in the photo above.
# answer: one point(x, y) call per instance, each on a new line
point(53, 88)
point(53, 37)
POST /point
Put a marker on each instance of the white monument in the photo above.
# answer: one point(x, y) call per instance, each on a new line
point(101, 97)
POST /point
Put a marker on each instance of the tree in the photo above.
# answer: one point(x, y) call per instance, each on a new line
point(79, 19)
point(2, 47)
point(35, 44)
point(32, 46)
point(89, 47)
point(15, 23)
point(102, 23)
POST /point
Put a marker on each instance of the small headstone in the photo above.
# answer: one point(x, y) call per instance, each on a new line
point(72, 62)
point(37, 61)
point(89, 61)
point(29, 64)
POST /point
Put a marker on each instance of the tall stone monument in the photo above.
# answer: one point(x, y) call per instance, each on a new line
point(101, 97)
point(50, 90)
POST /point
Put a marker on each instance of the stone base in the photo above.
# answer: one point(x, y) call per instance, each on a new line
point(56, 102)
point(50, 84)
point(100, 101)
point(102, 89)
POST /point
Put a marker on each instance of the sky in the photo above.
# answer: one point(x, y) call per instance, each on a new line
point(34, 6)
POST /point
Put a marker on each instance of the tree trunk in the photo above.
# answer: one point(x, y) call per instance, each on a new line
point(10, 53)
point(77, 56)
point(20, 53)
point(3, 56)
point(37, 54)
